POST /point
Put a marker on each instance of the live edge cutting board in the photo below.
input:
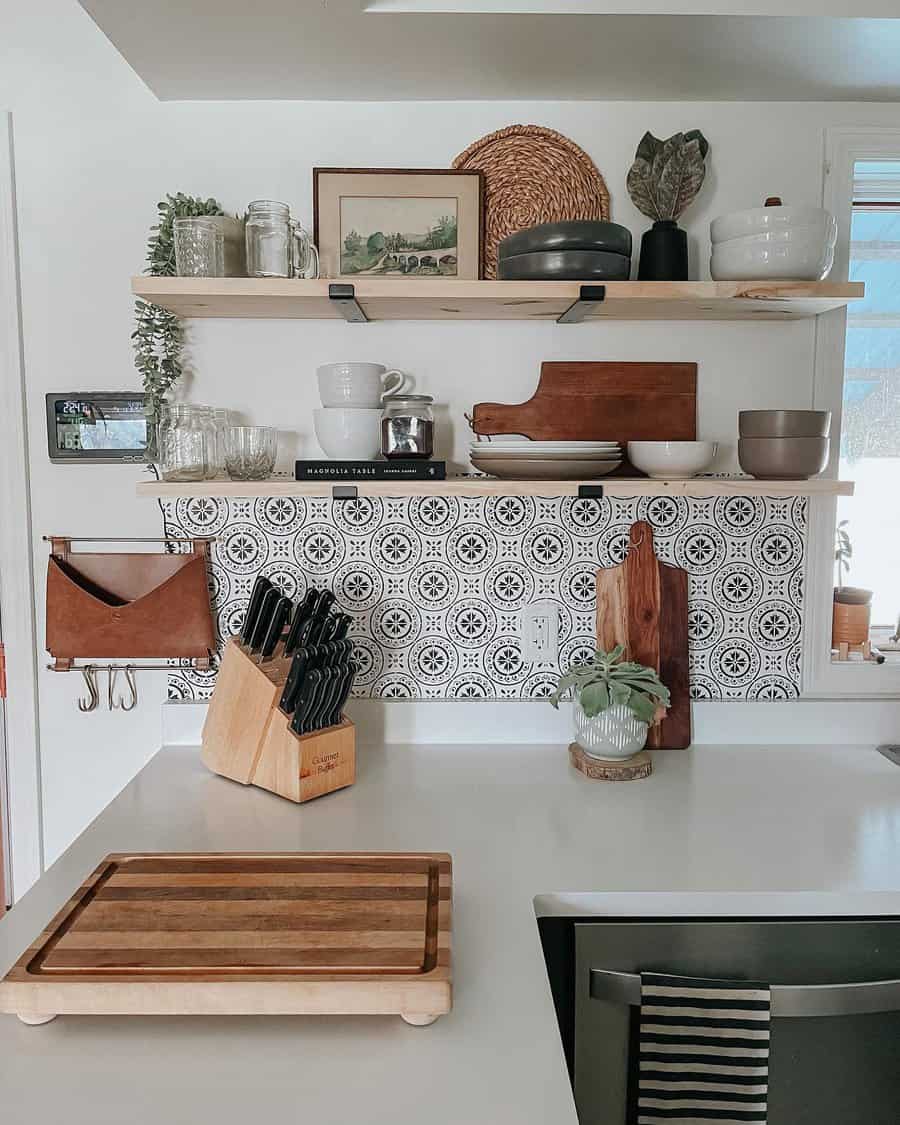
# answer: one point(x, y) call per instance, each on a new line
point(642, 604)
point(245, 934)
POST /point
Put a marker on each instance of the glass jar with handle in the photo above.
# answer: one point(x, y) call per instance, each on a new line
point(277, 245)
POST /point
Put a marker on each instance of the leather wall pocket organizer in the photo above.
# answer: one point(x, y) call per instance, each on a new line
point(115, 604)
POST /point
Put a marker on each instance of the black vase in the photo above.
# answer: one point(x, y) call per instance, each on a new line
point(664, 255)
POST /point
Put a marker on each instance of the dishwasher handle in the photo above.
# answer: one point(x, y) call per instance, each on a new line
point(787, 1000)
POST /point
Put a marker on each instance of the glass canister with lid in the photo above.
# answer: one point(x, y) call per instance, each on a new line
point(407, 426)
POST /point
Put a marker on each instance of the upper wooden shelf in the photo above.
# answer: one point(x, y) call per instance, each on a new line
point(439, 299)
point(490, 486)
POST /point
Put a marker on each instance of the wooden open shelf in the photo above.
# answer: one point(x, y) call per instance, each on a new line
point(490, 486)
point(439, 299)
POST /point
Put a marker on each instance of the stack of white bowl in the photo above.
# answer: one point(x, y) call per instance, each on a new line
point(523, 459)
point(773, 243)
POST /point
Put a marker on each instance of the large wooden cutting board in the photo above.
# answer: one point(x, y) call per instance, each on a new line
point(245, 934)
point(607, 401)
point(642, 604)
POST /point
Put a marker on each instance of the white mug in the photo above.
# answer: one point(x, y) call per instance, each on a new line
point(357, 385)
point(348, 433)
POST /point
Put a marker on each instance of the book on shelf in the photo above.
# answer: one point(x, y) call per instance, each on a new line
point(396, 469)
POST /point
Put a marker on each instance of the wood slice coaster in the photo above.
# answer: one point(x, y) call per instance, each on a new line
point(598, 769)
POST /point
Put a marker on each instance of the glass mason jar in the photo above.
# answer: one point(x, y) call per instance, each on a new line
point(268, 234)
point(183, 444)
point(277, 246)
point(407, 426)
point(199, 247)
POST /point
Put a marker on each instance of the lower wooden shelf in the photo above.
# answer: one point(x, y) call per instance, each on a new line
point(491, 486)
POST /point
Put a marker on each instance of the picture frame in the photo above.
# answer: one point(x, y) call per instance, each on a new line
point(399, 223)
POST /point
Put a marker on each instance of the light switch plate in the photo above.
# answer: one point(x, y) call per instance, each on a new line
point(539, 632)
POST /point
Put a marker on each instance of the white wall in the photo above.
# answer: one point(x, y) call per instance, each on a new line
point(95, 151)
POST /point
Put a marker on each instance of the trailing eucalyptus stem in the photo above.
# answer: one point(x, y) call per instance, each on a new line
point(158, 334)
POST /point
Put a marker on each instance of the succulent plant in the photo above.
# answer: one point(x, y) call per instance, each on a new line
point(606, 681)
point(666, 175)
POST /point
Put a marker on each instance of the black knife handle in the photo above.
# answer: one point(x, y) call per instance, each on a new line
point(303, 614)
point(330, 696)
point(298, 634)
point(344, 621)
point(298, 668)
point(326, 601)
point(343, 694)
point(280, 616)
point(316, 718)
point(305, 698)
point(251, 615)
point(271, 599)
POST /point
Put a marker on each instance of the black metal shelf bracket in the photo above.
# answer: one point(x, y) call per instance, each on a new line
point(344, 297)
point(344, 492)
point(589, 296)
point(590, 492)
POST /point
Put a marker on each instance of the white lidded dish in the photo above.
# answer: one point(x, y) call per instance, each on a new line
point(760, 220)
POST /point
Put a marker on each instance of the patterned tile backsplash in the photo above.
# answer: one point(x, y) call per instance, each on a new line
point(435, 584)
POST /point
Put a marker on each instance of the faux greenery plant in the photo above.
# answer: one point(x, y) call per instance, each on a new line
point(666, 175)
point(606, 681)
point(158, 336)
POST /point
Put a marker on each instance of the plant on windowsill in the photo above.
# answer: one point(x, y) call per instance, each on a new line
point(614, 703)
point(158, 336)
point(852, 612)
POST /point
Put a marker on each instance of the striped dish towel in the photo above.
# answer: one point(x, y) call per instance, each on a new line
point(704, 1051)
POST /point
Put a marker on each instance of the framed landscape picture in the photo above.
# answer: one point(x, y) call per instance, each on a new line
point(398, 222)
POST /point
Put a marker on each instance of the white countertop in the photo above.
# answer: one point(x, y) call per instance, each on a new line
point(781, 829)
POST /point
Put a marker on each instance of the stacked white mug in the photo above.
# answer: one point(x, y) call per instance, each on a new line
point(348, 426)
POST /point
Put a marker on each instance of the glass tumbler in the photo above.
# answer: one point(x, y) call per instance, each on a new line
point(249, 452)
point(199, 247)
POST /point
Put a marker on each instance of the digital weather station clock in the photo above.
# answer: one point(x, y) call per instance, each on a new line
point(96, 427)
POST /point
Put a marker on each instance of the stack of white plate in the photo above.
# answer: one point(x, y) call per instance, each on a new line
point(522, 459)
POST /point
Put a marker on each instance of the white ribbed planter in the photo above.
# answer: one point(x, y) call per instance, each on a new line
point(614, 733)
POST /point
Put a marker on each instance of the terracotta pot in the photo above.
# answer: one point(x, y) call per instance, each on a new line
point(850, 624)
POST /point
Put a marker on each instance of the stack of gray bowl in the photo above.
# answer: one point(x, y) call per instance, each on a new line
point(576, 250)
point(783, 444)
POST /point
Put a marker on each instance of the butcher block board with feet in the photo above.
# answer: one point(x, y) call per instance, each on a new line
point(245, 934)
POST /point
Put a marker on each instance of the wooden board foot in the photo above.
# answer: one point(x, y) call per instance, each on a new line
point(625, 769)
point(35, 1019)
point(418, 1019)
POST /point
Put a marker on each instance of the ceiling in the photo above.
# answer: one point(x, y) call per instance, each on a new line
point(338, 50)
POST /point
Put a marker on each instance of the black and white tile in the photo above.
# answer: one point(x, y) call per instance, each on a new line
point(435, 584)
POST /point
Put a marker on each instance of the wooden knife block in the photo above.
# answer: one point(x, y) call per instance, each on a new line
point(247, 737)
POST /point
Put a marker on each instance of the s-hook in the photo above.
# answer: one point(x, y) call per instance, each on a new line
point(132, 687)
point(91, 703)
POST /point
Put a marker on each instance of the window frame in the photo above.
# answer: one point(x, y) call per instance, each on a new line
point(821, 676)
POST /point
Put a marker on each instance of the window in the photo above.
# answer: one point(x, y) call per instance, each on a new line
point(870, 429)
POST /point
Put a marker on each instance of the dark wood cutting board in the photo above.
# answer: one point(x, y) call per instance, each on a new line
point(243, 934)
point(607, 401)
point(642, 604)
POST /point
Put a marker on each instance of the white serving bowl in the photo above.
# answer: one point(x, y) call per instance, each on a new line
point(758, 220)
point(748, 260)
point(672, 460)
point(348, 433)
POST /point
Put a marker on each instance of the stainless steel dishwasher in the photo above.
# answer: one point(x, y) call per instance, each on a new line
point(835, 1033)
